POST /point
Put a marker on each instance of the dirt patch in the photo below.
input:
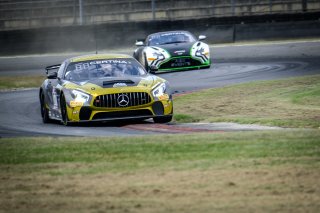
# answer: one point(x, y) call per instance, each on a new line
point(282, 189)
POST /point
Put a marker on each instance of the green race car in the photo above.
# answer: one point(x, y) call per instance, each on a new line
point(103, 87)
point(172, 51)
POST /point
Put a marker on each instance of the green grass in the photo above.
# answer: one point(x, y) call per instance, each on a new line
point(13, 82)
point(221, 172)
point(293, 102)
point(183, 118)
point(176, 152)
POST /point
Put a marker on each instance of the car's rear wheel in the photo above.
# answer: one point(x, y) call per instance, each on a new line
point(165, 119)
point(64, 113)
point(44, 110)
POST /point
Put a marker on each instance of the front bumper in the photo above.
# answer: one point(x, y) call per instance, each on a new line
point(183, 63)
point(91, 113)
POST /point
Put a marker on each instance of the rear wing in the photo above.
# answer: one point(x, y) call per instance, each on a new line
point(52, 67)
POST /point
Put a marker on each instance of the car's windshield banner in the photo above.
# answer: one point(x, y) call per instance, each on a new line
point(85, 65)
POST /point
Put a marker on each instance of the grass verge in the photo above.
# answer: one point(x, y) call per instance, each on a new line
point(13, 82)
point(229, 172)
point(293, 102)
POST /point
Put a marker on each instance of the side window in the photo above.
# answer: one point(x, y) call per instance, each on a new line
point(61, 70)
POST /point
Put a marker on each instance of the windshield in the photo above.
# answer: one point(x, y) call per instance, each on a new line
point(93, 69)
point(170, 38)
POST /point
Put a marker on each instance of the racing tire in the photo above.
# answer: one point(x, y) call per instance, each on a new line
point(162, 120)
point(44, 110)
point(145, 63)
point(64, 113)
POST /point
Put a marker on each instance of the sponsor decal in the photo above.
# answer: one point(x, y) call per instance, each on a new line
point(76, 103)
point(180, 62)
point(110, 62)
point(173, 33)
point(179, 52)
point(85, 65)
point(164, 97)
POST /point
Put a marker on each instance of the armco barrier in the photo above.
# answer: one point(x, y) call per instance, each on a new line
point(110, 36)
point(26, 14)
point(268, 31)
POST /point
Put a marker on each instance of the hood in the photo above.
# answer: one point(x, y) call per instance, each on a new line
point(178, 49)
point(146, 82)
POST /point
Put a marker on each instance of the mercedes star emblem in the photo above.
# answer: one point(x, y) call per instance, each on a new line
point(123, 100)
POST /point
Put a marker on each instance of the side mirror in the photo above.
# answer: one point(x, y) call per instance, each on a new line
point(202, 37)
point(139, 43)
point(52, 75)
point(153, 69)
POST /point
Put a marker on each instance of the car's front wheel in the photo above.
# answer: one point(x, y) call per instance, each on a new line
point(165, 119)
point(44, 110)
point(64, 112)
point(145, 63)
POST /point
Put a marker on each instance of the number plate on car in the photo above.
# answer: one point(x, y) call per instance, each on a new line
point(180, 62)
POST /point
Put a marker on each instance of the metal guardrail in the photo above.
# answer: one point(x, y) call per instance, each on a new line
point(32, 13)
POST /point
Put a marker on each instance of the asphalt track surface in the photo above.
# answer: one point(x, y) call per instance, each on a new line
point(232, 64)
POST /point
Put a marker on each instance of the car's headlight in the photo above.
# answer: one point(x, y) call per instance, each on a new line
point(160, 92)
point(155, 56)
point(79, 98)
point(200, 51)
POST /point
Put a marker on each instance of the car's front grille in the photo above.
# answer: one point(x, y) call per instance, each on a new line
point(117, 100)
point(180, 62)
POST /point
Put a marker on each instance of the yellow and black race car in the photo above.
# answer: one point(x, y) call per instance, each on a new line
point(103, 87)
